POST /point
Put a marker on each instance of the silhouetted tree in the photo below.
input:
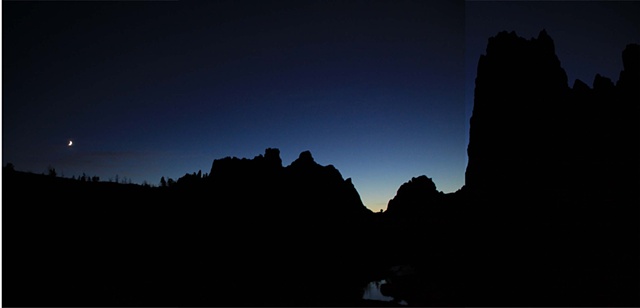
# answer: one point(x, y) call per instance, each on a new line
point(163, 182)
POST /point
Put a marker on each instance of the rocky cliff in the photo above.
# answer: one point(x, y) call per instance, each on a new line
point(530, 132)
point(552, 180)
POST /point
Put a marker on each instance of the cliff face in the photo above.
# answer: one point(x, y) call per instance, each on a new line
point(531, 132)
point(512, 132)
point(552, 180)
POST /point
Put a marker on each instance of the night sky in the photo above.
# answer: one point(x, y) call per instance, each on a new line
point(382, 90)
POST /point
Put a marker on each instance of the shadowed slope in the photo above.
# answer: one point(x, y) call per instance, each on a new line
point(249, 234)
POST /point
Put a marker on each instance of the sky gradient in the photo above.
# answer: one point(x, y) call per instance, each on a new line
point(382, 90)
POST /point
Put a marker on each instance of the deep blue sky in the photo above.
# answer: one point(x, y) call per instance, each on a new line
point(151, 89)
point(376, 88)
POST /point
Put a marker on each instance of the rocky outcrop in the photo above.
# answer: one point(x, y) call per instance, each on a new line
point(302, 188)
point(630, 75)
point(322, 189)
point(530, 132)
point(414, 197)
point(298, 226)
point(552, 180)
point(512, 134)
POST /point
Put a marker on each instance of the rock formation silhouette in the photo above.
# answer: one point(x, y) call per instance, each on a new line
point(530, 131)
point(414, 197)
point(548, 215)
point(515, 127)
point(552, 179)
point(550, 205)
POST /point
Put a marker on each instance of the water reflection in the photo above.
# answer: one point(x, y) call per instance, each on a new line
point(372, 292)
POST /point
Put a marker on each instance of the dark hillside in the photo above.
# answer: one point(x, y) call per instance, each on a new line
point(280, 234)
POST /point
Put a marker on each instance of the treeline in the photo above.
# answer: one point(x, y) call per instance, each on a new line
point(188, 178)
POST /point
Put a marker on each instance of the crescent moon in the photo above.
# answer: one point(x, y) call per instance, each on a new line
point(70, 143)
